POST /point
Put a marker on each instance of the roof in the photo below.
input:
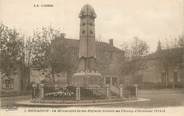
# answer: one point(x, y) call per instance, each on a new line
point(74, 43)
point(87, 10)
point(173, 51)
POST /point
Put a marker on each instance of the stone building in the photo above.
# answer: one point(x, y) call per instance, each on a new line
point(163, 69)
point(10, 84)
point(17, 82)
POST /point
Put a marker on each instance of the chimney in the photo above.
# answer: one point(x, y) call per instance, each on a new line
point(111, 42)
point(62, 35)
point(159, 46)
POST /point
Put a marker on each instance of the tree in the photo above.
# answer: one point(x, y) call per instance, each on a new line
point(49, 51)
point(134, 55)
point(40, 48)
point(181, 41)
point(11, 50)
point(60, 58)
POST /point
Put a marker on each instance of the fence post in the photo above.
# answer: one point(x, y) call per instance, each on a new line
point(77, 93)
point(121, 90)
point(33, 90)
point(136, 90)
point(41, 91)
point(108, 91)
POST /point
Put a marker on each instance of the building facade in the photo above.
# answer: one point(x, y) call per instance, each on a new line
point(16, 82)
point(163, 69)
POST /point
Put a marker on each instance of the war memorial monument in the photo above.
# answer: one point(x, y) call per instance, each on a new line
point(88, 87)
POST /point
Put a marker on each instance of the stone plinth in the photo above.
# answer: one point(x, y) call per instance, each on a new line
point(87, 79)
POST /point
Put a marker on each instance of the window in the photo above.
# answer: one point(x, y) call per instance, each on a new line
point(83, 24)
point(91, 24)
point(91, 32)
point(163, 77)
point(114, 81)
point(107, 80)
point(7, 84)
point(175, 76)
point(83, 32)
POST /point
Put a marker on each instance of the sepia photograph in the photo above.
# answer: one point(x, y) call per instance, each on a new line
point(92, 56)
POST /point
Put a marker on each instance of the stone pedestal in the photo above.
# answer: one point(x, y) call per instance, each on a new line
point(87, 79)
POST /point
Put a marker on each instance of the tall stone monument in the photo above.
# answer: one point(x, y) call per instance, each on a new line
point(87, 75)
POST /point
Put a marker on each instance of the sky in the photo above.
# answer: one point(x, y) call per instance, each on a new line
point(122, 20)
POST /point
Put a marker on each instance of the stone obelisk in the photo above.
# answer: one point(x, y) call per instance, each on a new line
point(86, 74)
point(87, 48)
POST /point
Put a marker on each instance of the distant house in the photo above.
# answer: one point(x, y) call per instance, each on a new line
point(10, 84)
point(17, 82)
point(163, 69)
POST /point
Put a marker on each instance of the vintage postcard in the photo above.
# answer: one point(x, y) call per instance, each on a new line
point(92, 57)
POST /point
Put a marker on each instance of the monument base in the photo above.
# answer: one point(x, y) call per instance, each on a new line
point(87, 79)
